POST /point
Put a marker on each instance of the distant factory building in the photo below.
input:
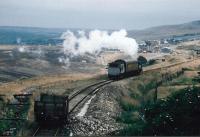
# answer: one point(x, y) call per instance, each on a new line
point(166, 50)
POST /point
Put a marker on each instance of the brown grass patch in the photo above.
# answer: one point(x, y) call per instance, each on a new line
point(45, 81)
point(130, 101)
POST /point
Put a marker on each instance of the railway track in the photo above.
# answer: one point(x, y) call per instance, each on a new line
point(41, 131)
point(87, 92)
point(92, 89)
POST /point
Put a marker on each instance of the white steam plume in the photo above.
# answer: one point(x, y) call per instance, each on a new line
point(36, 51)
point(22, 49)
point(65, 61)
point(96, 40)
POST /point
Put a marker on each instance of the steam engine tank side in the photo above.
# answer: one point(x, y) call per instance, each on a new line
point(133, 68)
point(121, 69)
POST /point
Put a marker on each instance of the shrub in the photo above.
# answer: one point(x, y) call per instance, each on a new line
point(177, 115)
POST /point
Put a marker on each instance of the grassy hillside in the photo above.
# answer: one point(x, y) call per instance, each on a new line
point(166, 31)
point(45, 36)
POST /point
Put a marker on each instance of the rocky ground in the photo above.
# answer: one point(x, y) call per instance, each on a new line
point(100, 118)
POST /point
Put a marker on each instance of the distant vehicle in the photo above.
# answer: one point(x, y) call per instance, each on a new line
point(51, 109)
point(120, 69)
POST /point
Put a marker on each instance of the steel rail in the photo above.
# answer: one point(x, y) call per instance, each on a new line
point(84, 89)
point(92, 91)
point(39, 132)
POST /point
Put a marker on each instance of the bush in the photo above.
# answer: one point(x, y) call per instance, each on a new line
point(151, 61)
point(3, 126)
point(145, 88)
point(178, 115)
point(136, 129)
point(187, 69)
point(127, 106)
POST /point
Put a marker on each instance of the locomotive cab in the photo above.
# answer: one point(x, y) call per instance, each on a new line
point(116, 69)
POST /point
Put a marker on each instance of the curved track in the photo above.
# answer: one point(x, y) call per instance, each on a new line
point(82, 95)
point(92, 89)
point(41, 131)
point(86, 92)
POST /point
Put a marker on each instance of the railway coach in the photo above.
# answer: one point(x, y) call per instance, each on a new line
point(121, 68)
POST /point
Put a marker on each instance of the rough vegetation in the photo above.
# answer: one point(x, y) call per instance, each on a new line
point(12, 118)
point(175, 113)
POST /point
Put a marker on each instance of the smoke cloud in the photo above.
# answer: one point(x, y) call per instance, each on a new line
point(22, 49)
point(36, 51)
point(64, 60)
point(97, 40)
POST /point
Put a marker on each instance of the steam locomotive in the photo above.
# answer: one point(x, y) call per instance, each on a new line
point(121, 68)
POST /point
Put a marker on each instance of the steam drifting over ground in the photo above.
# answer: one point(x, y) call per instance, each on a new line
point(98, 40)
point(85, 47)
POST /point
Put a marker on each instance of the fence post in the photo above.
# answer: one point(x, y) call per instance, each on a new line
point(156, 93)
point(67, 103)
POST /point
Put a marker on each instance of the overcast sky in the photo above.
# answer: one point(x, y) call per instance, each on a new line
point(97, 14)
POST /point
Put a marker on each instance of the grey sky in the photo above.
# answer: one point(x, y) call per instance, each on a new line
point(102, 14)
